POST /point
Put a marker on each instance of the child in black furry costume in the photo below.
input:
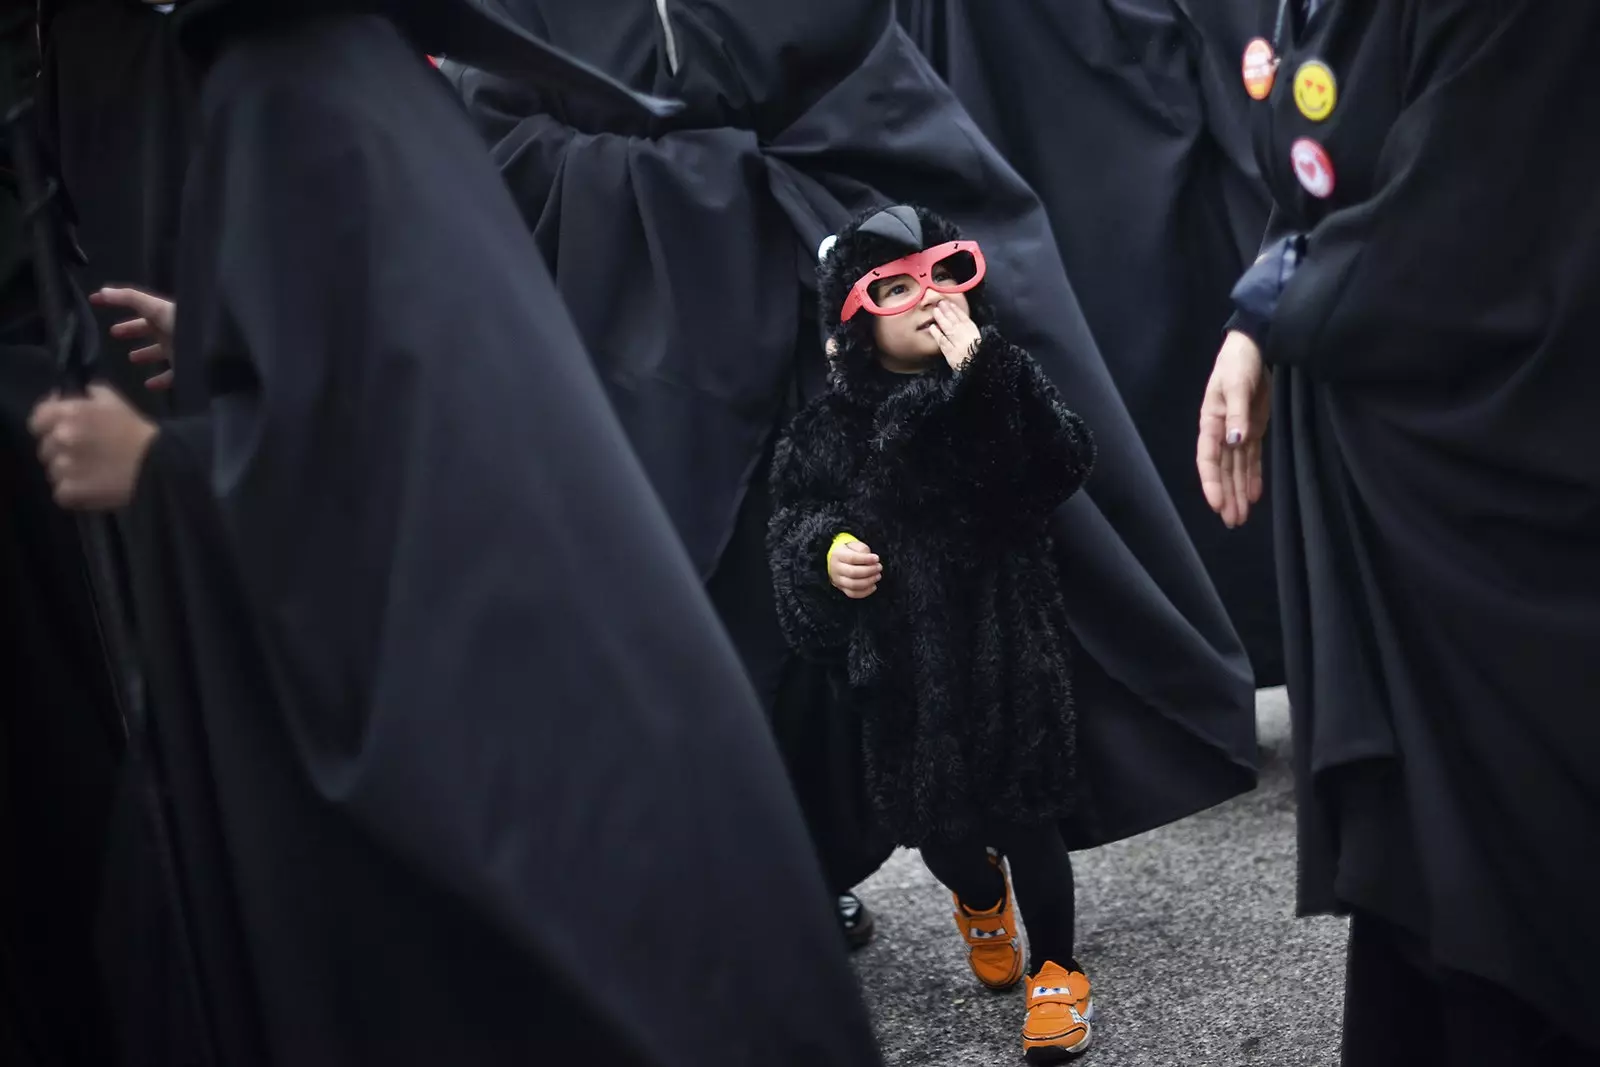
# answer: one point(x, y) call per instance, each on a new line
point(945, 450)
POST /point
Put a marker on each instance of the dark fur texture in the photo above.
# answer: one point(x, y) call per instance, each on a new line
point(959, 665)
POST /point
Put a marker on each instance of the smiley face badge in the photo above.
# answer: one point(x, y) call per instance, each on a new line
point(1315, 91)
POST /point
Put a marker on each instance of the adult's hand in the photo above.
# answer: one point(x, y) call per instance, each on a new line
point(1233, 422)
point(92, 447)
point(155, 319)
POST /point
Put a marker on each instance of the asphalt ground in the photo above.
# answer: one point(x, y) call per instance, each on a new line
point(1188, 933)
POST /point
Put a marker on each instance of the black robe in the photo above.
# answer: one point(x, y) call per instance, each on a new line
point(59, 751)
point(684, 244)
point(1437, 471)
point(116, 116)
point(60, 738)
point(117, 99)
point(679, 265)
point(462, 766)
point(1125, 117)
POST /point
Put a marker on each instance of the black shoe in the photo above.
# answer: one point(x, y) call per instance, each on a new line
point(856, 921)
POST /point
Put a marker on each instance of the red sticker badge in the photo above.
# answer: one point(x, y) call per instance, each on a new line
point(1260, 69)
point(1313, 167)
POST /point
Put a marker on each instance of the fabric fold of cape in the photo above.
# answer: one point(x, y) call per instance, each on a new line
point(463, 768)
point(1128, 119)
point(1439, 472)
point(58, 754)
point(686, 248)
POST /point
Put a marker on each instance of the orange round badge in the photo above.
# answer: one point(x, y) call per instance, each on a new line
point(1260, 69)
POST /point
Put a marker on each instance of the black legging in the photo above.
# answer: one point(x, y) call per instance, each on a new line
point(1041, 877)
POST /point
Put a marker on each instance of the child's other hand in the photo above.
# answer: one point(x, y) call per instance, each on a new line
point(956, 333)
point(854, 570)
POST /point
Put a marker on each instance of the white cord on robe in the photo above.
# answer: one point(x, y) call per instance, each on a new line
point(672, 38)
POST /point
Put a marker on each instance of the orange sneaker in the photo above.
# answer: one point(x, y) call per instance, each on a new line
point(1059, 1007)
point(994, 948)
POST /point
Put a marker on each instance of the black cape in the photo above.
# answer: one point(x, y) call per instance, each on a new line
point(1436, 482)
point(116, 115)
point(686, 247)
point(59, 752)
point(1126, 117)
point(463, 768)
point(60, 739)
point(116, 96)
point(700, 342)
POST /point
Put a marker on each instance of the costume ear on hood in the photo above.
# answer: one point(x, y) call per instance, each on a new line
point(873, 238)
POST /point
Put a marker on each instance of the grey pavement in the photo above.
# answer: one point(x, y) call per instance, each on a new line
point(1187, 932)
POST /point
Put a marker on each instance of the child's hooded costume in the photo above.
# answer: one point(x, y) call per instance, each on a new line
point(959, 665)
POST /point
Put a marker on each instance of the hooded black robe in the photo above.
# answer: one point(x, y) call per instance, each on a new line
point(58, 753)
point(115, 116)
point(685, 246)
point(462, 767)
point(59, 746)
point(1438, 481)
point(692, 306)
point(60, 740)
point(1126, 117)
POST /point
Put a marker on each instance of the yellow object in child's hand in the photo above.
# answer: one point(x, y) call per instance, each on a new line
point(853, 568)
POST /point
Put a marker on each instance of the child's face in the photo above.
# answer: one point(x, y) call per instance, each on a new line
point(904, 342)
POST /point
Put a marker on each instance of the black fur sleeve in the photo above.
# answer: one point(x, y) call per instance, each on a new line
point(809, 468)
point(995, 437)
